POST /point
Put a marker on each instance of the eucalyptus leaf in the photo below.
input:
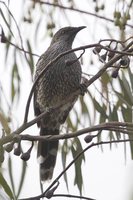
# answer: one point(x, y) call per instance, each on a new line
point(76, 149)
point(22, 178)
point(6, 187)
point(99, 108)
point(6, 22)
point(64, 152)
point(11, 175)
point(31, 60)
point(4, 123)
point(126, 90)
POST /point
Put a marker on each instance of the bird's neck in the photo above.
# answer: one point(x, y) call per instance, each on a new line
point(62, 46)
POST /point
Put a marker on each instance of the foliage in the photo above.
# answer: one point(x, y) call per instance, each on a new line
point(110, 97)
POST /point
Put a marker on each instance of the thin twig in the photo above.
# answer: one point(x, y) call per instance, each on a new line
point(77, 10)
point(22, 49)
point(72, 196)
point(123, 127)
point(109, 126)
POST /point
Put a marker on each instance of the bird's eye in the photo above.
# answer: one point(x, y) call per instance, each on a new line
point(63, 31)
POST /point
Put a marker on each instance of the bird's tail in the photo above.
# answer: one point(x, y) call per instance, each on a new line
point(47, 153)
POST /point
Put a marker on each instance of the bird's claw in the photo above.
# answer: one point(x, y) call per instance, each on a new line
point(83, 86)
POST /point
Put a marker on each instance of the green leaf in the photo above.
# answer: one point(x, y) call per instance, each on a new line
point(113, 113)
point(1, 155)
point(78, 174)
point(84, 108)
point(126, 90)
point(6, 22)
point(70, 124)
point(77, 119)
point(5, 186)
point(84, 112)
point(127, 116)
point(64, 155)
point(4, 123)
point(76, 149)
point(105, 79)
point(30, 60)
point(38, 25)
point(11, 174)
point(113, 116)
point(100, 109)
point(122, 99)
point(15, 77)
point(13, 91)
point(7, 49)
point(131, 77)
point(23, 173)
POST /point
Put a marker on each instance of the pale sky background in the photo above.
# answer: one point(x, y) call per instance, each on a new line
point(106, 174)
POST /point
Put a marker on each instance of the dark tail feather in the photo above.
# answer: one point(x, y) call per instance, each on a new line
point(47, 153)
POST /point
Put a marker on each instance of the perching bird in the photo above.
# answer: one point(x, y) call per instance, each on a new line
point(56, 85)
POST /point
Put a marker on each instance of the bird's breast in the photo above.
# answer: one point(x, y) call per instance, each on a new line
point(59, 81)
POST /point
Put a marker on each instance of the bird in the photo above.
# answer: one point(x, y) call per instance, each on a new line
point(61, 79)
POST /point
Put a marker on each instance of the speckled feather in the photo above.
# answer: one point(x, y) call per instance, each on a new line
point(55, 86)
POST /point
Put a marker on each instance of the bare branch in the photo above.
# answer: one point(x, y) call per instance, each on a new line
point(125, 128)
point(122, 127)
point(21, 49)
point(72, 196)
point(77, 10)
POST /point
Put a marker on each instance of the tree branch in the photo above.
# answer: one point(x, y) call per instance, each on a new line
point(77, 10)
point(123, 127)
point(72, 196)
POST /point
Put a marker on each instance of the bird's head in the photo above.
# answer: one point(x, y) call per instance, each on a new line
point(66, 35)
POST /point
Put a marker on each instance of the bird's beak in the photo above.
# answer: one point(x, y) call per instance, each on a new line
point(80, 28)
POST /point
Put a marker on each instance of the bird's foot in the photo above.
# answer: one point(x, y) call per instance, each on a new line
point(83, 86)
